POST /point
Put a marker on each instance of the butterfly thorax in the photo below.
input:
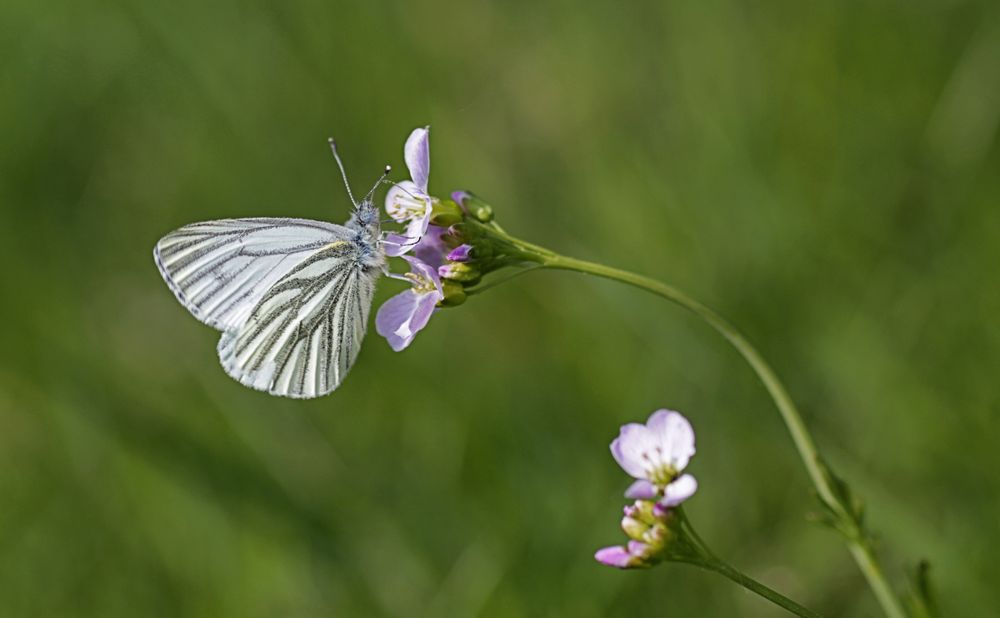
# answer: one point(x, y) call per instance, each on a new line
point(367, 235)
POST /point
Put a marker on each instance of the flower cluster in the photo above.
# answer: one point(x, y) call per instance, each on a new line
point(449, 245)
point(655, 454)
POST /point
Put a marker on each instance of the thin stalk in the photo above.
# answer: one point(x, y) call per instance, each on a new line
point(482, 287)
point(703, 557)
point(756, 587)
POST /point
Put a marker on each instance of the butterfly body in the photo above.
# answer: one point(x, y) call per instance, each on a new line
point(291, 296)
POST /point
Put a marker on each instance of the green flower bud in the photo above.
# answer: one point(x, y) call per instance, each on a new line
point(658, 535)
point(465, 273)
point(634, 528)
point(477, 208)
point(445, 213)
point(645, 511)
point(482, 212)
point(454, 293)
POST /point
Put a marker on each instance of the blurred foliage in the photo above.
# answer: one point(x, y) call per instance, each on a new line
point(824, 174)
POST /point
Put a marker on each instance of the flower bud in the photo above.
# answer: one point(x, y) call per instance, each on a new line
point(660, 512)
point(445, 213)
point(483, 213)
point(461, 253)
point(453, 236)
point(619, 557)
point(480, 210)
point(643, 510)
point(465, 273)
point(459, 197)
point(639, 549)
point(454, 294)
point(634, 528)
point(657, 535)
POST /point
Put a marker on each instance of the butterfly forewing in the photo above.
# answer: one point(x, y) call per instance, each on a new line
point(305, 333)
point(220, 270)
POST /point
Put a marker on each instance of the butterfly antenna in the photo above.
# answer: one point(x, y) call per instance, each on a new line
point(378, 183)
point(343, 174)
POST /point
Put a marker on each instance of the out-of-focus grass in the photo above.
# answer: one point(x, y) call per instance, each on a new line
point(823, 174)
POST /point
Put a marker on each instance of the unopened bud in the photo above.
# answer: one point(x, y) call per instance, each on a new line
point(461, 253)
point(454, 294)
point(454, 236)
point(445, 213)
point(657, 535)
point(634, 528)
point(466, 273)
point(644, 511)
point(480, 210)
point(639, 550)
point(660, 512)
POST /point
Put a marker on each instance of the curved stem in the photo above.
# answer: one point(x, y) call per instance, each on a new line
point(482, 287)
point(858, 544)
point(703, 557)
point(755, 586)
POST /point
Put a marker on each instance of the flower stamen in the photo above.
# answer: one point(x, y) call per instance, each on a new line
point(421, 285)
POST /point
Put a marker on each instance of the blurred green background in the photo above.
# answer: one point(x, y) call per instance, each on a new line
point(824, 174)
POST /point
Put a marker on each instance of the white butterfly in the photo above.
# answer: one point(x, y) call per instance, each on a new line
point(291, 296)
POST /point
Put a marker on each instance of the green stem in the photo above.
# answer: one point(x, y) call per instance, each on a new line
point(755, 586)
point(482, 287)
point(704, 558)
point(858, 544)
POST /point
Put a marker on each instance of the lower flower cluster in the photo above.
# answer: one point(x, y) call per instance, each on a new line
point(655, 454)
point(650, 527)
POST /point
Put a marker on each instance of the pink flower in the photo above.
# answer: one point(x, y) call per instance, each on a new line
point(655, 454)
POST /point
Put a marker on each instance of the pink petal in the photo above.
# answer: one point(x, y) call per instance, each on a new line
point(616, 556)
point(400, 318)
point(395, 317)
point(641, 490)
point(679, 491)
point(431, 249)
point(426, 271)
point(398, 244)
point(637, 548)
point(417, 153)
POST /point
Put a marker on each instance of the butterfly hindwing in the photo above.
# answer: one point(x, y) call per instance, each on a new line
point(304, 334)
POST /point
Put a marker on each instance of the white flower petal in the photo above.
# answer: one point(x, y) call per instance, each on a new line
point(679, 491)
point(632, 448)
point(675, 437)
point(405, 200)
point(417, 226)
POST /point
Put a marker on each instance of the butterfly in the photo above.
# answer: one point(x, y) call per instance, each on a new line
point(291, 296)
